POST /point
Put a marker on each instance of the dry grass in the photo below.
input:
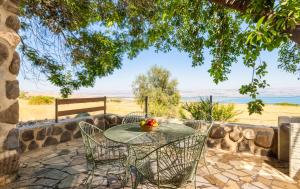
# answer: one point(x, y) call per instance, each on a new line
point(268, 117)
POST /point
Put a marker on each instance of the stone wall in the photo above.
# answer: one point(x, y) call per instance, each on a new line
point(9, 88)
point(289, 143)
point(259, 140)
point(42, 135)
point(242, 138)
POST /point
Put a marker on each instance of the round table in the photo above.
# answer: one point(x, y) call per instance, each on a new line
point(132, 134)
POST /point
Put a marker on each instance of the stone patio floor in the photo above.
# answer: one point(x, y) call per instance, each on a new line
point(64, 166)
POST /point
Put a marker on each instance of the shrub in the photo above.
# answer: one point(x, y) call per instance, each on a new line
point(202, 110)
point(162, 91)
point(286, 104)
point(40, 100)
point(117, 100)
point(23, 95)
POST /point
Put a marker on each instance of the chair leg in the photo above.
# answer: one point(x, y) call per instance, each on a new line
point(89, 179)
point(205, 164)
point(134, 177)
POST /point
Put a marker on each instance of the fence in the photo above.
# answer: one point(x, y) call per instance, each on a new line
point(77, 111)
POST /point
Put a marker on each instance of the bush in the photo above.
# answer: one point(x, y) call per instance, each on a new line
point(117, 100)
point(162, 91)
point(40, 100)
point(201, 110)
point(23, 95)
point(286, 104)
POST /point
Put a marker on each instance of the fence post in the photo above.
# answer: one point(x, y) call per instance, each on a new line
point(105, 105)
point(56, 109)
point(146, 106)
point(211, 107)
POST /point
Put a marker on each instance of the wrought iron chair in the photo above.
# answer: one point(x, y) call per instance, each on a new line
point(172, 165)
point(203, 127)
point(99, 150)
point(134, 117)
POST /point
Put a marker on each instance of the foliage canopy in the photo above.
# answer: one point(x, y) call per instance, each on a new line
point(74, 42)
point(162, 91)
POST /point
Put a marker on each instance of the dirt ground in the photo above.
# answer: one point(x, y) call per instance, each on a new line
point(122, 107)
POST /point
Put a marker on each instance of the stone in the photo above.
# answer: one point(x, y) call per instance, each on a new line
point(90, 121)
point(50, 141)
point(16, 2)
point(9, 162)
point(231, 185)
point(112, 119)
point(57, 130)
point(15, 64)
point(82, 115)
point(228, 129)
point(49, 131)
point(213, 143)
point(66, 136)
point(46, 182)
point(12, 38)
point(22, 147)
point(249, 186)
point(12, 89)
point(71, 126)
point(244, 146)
point(264, 138)
point(33, 145)
point(13, 22)
point(11, 114)
point(236, 134)
point(217, 132)
point(249, 134)
point(100, 123)
point(41, 134)
point(77, 134)
point(27, 135)
point(3, 53)
point(12, 140)
point(224, 145)
point(13, 9)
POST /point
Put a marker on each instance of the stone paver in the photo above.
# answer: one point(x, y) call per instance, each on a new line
point(64, 166)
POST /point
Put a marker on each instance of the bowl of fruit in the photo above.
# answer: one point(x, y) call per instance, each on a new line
point(148, 124)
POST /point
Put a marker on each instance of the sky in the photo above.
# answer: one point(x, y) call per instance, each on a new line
point(193, 81)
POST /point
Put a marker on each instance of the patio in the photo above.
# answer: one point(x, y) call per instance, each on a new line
point(64, 166)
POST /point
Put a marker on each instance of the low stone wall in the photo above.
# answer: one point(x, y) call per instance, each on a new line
point(258, 140)
point(240, 138)
point(42, 135)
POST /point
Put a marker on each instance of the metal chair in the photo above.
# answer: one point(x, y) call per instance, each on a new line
point(172, 165)
point(203, 127)
point(99, 150)
point(135, 117)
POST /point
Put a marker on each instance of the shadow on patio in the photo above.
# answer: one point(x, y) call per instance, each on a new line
point(64, 166)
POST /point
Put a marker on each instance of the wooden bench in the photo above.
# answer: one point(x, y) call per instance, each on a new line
point(78, 111)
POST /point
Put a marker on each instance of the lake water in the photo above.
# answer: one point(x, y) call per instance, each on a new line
point(244, 100)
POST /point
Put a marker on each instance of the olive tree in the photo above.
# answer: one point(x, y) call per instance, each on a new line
point(162, 91)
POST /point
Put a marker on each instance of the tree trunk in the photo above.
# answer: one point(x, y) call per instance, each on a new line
point(241, 5)
point(9, 90)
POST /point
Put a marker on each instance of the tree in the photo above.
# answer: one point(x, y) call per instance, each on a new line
point(92, 36)
point(162, 91)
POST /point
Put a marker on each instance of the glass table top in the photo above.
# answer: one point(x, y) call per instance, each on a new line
point(132, 134)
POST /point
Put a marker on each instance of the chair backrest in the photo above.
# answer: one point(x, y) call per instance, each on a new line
point(89, 133)
point(173, 164)
point(98, 149)
point(134, 117)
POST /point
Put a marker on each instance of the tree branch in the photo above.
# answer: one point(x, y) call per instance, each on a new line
point(241, 5)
